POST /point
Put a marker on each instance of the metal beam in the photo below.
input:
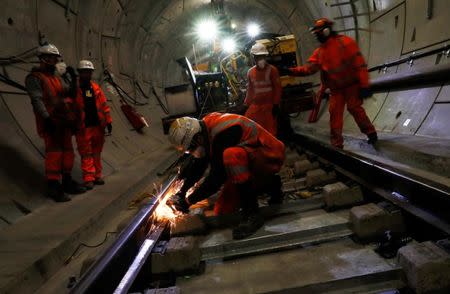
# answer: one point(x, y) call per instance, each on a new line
point(351, 15)
point(435, 75)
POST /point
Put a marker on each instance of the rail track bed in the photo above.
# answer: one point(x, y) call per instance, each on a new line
point(347, 225)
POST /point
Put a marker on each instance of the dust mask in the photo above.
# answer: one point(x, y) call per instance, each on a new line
point(261, 63)
point(61, 68)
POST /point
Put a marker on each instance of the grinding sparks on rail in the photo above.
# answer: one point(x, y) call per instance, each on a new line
point(164, 211)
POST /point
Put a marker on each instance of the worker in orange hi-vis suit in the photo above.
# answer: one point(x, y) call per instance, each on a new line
point(56, 120)
point(95, 117)
point(263, 91)
point(344, 72)
point(244, 158)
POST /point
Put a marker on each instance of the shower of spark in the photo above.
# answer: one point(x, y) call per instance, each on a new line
point(165, 212)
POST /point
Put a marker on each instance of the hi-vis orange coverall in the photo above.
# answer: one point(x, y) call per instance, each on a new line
point(344, 72)
point(91, 137)
point(241, 151)
point(263, 92)
point(59, 156)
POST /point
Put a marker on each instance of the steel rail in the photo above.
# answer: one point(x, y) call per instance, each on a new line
point(425, 199)
point(140, 259)
point(105, 274)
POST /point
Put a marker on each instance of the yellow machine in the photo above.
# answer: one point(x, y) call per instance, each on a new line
point(283, 52)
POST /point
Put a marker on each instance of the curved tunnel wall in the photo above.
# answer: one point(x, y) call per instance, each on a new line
point(138, 41)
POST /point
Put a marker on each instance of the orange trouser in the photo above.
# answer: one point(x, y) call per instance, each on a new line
point(338, 99)
point(244, 164)
point(59, 154)
point(262, 114)
point(90, 145)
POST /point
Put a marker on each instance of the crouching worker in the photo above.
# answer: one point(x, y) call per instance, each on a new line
point(242, 156)
point(95, 117)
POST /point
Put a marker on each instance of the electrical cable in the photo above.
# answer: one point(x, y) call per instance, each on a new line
point(125, 97)
point(19, 58)
point(161, 104)
point(72, 256)
point(12, 83)
point(208, 95)
point(140, 89)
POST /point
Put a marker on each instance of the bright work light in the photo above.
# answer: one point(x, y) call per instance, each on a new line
point(253, 30)
point(229, 45)
point(206, 30)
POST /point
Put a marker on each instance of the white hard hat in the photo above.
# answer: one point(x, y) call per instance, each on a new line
point(259, 49)
point(182, 131)
point(48, 49)
point(86, 64)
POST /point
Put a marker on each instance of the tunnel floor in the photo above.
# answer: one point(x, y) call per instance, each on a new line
point(32, 247)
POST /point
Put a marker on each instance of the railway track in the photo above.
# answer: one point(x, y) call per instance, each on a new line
point(312, 243)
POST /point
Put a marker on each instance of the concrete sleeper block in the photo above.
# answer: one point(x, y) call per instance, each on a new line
point(319, 176)
point(302, 166)
point(171, 290)
point(370, 220)
point(339, 195)
point(292, 157)
point(182, 254)
point(187, 225)
point(293, 185)
point(427, 267)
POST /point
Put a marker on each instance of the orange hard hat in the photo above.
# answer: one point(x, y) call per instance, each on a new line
point(320, 24)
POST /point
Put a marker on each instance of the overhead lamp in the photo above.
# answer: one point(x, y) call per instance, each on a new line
point(253, 30)
point(229, 45)
point(206, 30)
point(233, 26)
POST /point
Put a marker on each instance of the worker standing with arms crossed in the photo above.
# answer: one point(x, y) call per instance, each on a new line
point(263, 91)
point(56, 122)
point(344, 72)
point(244, 158)
point(95, 117)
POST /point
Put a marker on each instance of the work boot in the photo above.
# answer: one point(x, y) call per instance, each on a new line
point(89, 185)
point(275, 192)
point(372, 138)
point(70, 186)
point(248, 226)
point(99, 181)
point(251, 219)
point(55, 191)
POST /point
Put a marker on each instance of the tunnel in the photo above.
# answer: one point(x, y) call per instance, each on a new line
point(140, 44)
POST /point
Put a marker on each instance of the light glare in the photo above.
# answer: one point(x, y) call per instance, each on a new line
point(253, 30)
point(206, 30)
point(229, 45)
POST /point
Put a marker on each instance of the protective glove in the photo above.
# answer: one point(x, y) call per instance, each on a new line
point(365, 93)
point(275, 110)
point(49, 125)
point(178, 201)
point(109, 128)
point(71, 71)
point(284, 71)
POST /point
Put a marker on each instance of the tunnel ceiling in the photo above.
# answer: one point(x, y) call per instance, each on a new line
point(141, 39)
point(161, 31)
